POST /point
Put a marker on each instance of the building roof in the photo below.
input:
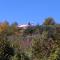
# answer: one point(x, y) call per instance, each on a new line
point(23, 25)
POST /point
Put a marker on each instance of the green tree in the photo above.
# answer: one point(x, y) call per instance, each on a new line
point(49, 21)
point(5, 49)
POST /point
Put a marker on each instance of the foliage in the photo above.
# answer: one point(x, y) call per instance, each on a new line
point(44, 41)
point(5, 49)
point(49, 21)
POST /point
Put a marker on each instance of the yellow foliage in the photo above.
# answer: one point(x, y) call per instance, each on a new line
point(3, 27)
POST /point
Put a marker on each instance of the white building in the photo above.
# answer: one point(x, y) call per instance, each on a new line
point(24, 26)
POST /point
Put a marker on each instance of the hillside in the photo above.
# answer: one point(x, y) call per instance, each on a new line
point(30, 42)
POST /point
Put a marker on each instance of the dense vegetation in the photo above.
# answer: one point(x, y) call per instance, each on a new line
point(40, 42)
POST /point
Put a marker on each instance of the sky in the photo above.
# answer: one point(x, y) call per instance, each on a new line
point(24, 11)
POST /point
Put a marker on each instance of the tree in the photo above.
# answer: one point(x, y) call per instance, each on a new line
point(6, 51)
point(28, 31)
point(55, 54)
point(42, 46)
point(12, 29)
point(38, 46)
point(4, 26)
point(49, 21)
